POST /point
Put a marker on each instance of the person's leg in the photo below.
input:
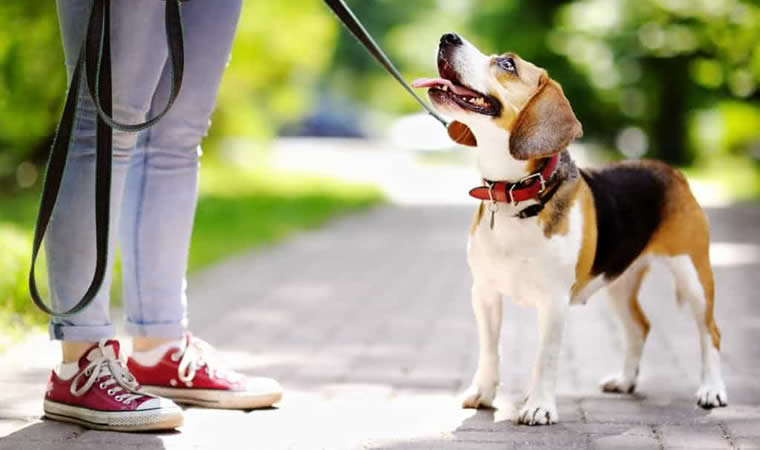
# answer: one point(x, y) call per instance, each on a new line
point(162, 183)
point(70, 243)
point(92, 386)
point(157, 223)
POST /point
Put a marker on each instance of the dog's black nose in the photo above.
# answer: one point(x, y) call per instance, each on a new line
point(451, 39)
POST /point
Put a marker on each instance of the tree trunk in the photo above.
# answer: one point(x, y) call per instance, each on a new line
point(669, 131)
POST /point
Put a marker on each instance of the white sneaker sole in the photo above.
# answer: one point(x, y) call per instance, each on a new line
point(151, 419)
point(215, 398)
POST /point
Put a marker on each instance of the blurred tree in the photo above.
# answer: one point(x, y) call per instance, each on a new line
point(280, 52)
point(32, 83)
point(654, 62)
point(675, 79)
point(525, 27)
point(407, 32)
point(639, 73)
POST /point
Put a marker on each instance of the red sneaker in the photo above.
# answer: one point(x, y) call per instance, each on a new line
point(188, 373)
point(104, 395)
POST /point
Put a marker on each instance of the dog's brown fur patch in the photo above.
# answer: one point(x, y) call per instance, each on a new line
point(545, 125)
point(588, 241)
point(517, 89)
point(685, 231)
point(478, 217)
point(633, 303)
point(554, 216)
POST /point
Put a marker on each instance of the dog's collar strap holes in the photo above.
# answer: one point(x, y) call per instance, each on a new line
point(527, 188)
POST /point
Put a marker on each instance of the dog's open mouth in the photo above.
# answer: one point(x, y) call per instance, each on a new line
point(448, 87)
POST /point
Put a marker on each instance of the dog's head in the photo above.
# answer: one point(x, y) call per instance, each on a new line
point(505, 92)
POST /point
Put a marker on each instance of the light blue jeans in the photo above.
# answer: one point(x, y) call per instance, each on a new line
point(155, 172)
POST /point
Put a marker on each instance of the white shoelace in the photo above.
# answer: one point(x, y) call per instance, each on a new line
point(196, 354)
point(115, 374)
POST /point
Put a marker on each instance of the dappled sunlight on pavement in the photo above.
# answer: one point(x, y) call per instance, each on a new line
point(413, 174)
point(368, 326)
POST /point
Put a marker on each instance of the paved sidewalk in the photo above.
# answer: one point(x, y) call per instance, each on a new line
point(367, 323)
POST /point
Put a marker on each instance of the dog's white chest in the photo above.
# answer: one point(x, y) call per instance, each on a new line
point(519, 261)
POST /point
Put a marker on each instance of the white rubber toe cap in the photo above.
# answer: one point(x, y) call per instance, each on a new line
point(159, 403)
point(262, 386)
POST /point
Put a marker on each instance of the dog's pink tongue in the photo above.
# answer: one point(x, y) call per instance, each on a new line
point(430, 82)
point(435, 82)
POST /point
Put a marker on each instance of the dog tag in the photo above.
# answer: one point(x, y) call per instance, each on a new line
point(492, 207)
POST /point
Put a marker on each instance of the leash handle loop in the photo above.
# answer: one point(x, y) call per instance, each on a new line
point(95, 60)
point(348, 18)
point(174, 41)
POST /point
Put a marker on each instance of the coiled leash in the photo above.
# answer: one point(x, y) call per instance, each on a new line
point(95, 60)
point(357, 29)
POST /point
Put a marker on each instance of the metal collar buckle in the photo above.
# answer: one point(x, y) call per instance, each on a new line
point(522, 180)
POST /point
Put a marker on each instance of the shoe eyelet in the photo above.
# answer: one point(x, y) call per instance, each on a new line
point(87, 372)
point(118, 398)
point(102, 385)
point(111, 392)
point(174, 357)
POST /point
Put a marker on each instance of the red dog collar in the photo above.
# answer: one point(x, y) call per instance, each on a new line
point(526, 188)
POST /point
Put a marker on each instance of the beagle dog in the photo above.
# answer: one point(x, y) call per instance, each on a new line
point(549, 234)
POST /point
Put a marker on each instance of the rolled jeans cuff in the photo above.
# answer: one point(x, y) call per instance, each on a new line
point(164, 330)
point(92, 333)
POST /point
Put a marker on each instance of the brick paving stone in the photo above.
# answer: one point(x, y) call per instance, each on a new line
point(693, 437)
point(749, 428)
point(747, 443)
point(373, 338)
point(626, 441)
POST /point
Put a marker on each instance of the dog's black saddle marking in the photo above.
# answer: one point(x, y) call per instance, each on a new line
point(629, 207)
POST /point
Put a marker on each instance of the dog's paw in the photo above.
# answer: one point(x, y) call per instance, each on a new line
point(538, 413)
point(618, 384)
point(712, 396)
point(479, 395)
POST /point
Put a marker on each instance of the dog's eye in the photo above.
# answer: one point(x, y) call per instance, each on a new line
point(507, 64)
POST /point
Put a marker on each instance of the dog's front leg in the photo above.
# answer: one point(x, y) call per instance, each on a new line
point(487, 304)
point(541, 406)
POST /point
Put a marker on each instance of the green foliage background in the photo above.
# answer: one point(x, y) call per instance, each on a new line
point(32, 81)
point(674, 79)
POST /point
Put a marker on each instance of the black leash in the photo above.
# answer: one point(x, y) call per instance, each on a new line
point(355, 27)
point(95, 59)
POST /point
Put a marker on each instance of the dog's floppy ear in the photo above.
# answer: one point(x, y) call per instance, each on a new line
point(461, 134)
point(545, 125)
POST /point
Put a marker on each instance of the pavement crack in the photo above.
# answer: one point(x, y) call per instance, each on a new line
point(75, 434)
point(584, 415)
point(727, 435)
point(657, 437)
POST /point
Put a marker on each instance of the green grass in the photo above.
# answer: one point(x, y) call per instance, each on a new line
point(238, 209)
point(241, 209)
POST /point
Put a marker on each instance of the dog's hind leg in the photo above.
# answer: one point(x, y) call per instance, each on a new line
point(694, 284)
point(624, 299)
point(487, 305)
